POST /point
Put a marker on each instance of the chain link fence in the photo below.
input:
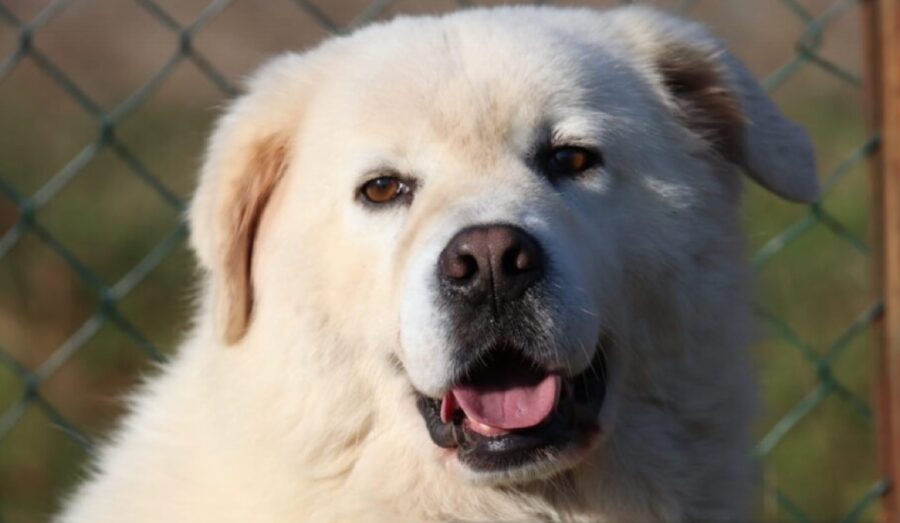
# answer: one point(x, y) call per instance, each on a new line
point(92, 252)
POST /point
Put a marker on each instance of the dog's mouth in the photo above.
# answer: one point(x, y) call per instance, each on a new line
point(510, 412)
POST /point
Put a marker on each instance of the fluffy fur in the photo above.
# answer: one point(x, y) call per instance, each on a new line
point(291, 399)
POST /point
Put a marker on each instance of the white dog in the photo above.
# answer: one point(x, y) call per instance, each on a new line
point(479, 267)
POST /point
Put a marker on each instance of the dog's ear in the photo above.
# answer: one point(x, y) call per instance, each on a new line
point(719, 99)
point(247, 155)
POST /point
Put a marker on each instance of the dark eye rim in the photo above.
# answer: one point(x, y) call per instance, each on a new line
point(404, 197)
point(545, 155)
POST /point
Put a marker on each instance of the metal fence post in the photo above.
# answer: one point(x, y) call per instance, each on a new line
point(882, 19)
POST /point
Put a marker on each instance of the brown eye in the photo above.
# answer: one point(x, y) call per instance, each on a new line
point(384, 189)
point(569, 160)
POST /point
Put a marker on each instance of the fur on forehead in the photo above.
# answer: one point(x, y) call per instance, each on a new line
point(529, 61)
point(476, 94)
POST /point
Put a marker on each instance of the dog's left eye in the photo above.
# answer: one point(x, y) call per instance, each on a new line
point(384, 189)
point(570, 160)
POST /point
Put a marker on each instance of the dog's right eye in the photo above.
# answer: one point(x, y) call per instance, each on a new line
point(568, 160)
point(384, 189)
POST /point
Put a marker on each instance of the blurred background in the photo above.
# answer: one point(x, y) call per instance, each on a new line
point(104, 109)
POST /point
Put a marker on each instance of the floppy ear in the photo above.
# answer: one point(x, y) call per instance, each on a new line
point(719, 99)
point(247, 155)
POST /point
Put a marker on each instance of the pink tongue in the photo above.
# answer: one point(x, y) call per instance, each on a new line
point(517, 407)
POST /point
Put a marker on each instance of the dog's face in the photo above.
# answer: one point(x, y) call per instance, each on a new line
point(487, 209)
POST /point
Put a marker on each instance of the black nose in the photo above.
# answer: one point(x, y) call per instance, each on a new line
point(496, 263)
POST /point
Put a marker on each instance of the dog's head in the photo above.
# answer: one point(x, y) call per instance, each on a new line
point(506, 211)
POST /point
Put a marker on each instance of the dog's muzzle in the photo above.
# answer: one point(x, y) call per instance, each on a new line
point(510, 404)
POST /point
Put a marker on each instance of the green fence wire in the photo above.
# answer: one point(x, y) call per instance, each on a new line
point(806, 54)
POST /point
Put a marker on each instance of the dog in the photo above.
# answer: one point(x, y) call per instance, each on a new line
point(480, 267)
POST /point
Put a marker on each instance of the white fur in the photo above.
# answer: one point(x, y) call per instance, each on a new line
point(305, 419)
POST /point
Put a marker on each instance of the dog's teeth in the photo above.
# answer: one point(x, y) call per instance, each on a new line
point(448, 407)
point(483, 429)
